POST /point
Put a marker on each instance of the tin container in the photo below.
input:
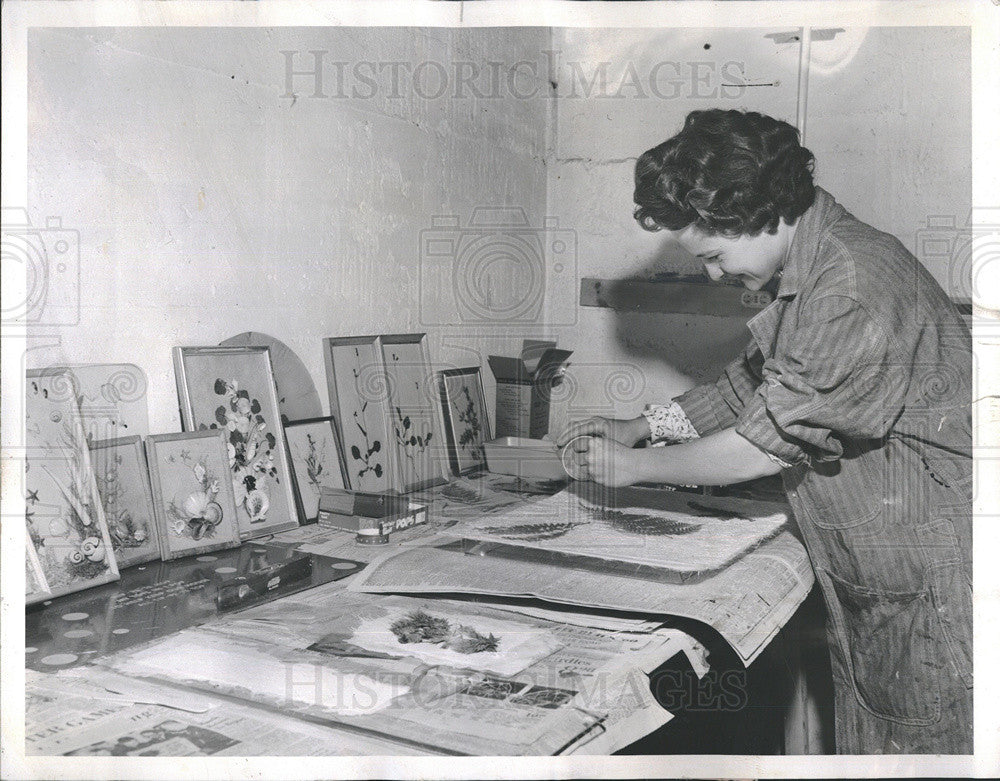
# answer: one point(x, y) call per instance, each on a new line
point(525, 458)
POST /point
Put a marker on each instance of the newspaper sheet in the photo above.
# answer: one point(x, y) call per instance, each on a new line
point(747, 602)
point(574, 683)
point(68, 716)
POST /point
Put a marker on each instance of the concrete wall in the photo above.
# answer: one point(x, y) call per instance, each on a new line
point(887, 114)
point(210, 203)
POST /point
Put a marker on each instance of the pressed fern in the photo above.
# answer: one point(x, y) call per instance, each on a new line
point(635, 523)
point(532, 532)
point(460, 493)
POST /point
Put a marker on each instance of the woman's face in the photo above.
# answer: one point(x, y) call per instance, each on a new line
point(751, 259)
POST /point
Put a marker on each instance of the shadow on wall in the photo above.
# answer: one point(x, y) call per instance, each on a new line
point(697, 345)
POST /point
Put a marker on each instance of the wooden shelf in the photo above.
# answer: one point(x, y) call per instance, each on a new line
point(692, 294)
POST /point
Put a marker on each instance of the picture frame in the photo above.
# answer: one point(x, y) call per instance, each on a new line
point(63, 511)
point(112, 399)
point(359, 401)
point(232, 388)
point(466, 422)
point(414, 417)
point(317, 458)
point(193, 501)
point(36, 588)
point(122, 477)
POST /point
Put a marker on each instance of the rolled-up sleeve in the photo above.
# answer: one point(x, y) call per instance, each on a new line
point(717, 405)
point(834, 377)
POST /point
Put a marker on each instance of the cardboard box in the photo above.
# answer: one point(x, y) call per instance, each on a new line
point(523, 388)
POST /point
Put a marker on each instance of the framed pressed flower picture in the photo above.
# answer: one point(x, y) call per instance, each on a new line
point(414, 428)
point(65, 518)
point(193, 500)
point(359, 400)
point(123, 483)
point(232, 389)
point(467, 428)
point(317, 461)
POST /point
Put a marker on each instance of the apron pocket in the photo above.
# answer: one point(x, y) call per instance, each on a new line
point(952, 594)
point(886, 638)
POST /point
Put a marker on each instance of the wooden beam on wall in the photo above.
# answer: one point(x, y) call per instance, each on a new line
point(692, 294)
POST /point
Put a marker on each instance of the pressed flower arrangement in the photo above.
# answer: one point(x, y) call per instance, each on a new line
point(194, 502)
point(317, 461)
point(359, 401)
point(413, 412)
point(466, 425)
point(64, 515)
point(231, 389)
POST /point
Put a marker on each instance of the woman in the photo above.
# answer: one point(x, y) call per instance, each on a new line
point(856, 387)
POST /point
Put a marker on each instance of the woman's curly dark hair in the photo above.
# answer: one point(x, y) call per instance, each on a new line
point(727, 172)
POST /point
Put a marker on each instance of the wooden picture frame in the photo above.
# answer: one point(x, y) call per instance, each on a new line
point(414, 417)
point(122, 477)
point(359, 401)
point(193, 501)
point(466, 421)
point(317, 458)
point(64, 516)
point(232, 389)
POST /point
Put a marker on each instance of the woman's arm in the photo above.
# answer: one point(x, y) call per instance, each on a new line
point(717, 459)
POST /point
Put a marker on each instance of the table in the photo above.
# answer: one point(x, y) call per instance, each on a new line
point(165, 600)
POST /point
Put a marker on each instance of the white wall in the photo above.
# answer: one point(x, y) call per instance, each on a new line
point(208, 204)
point(889, 120)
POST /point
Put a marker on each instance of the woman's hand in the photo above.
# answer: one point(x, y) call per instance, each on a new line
point(604, 461)
point(625, 432)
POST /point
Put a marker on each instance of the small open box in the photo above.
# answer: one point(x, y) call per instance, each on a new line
point(525, 458)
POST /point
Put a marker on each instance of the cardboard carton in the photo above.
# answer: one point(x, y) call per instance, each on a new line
point(524, 386)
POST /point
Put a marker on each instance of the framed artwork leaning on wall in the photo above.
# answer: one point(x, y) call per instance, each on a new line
point(463, 404)
point(123, 482)
point(193, 498)
point(317, 457)
point(232, 389)
point(65, 518)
